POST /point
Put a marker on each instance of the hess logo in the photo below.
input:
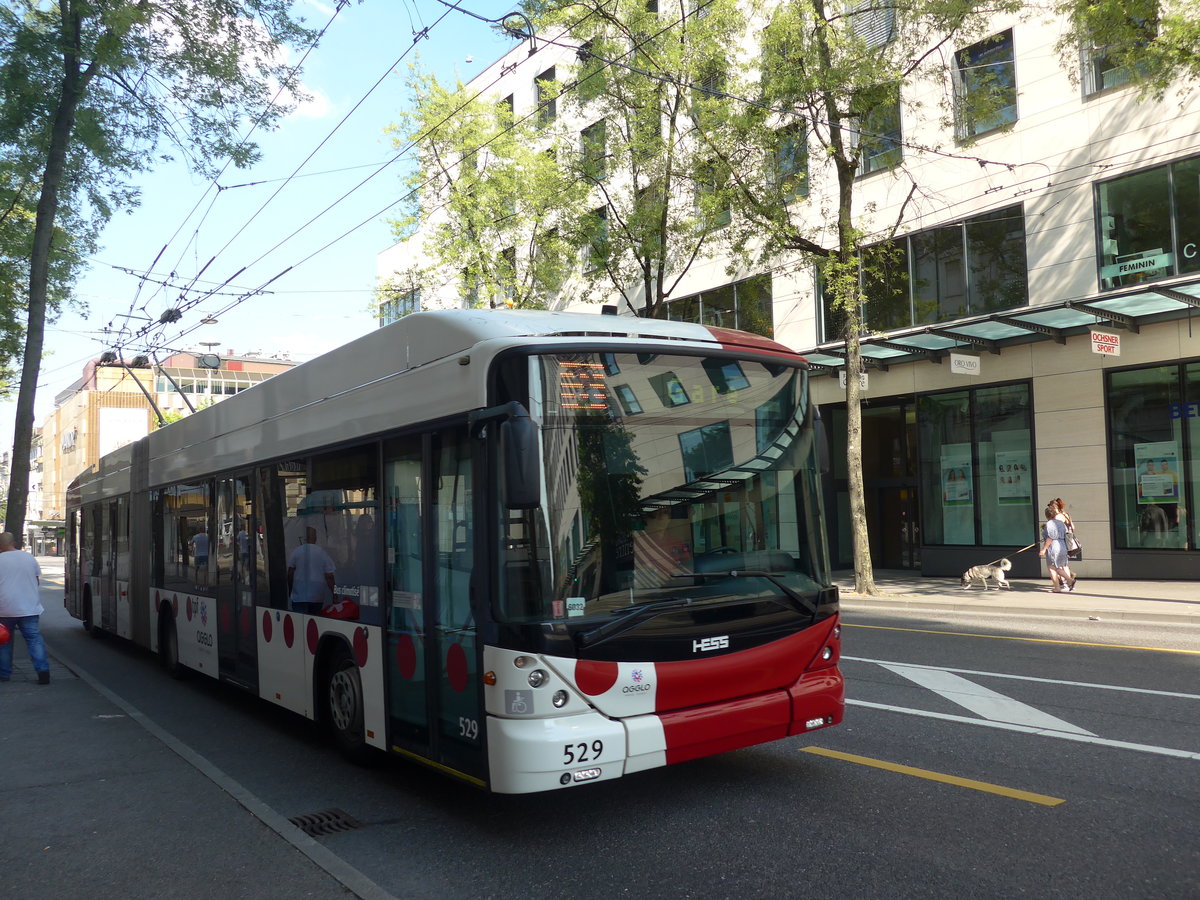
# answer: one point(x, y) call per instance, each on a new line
point(704, 645)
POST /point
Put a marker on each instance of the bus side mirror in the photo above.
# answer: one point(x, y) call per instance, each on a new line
point(521, 462)
point(821, 437)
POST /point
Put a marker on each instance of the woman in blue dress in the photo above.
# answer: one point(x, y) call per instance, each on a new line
point(1054, 548)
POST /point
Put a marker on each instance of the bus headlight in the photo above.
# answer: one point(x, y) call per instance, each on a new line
point(538, 677)
point(559, 699)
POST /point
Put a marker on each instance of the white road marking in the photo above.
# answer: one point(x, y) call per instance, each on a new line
point(982, 701)
point(1082, 684)
point(1007, 726)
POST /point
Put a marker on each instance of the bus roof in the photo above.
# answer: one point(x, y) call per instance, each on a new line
point(415, 369)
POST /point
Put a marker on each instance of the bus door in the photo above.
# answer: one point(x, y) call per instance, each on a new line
point(434, 698)
point(237, 648)
point(109, 514)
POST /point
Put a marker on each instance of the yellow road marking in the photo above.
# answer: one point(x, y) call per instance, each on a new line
point(1006, 637)
point(1041, 799)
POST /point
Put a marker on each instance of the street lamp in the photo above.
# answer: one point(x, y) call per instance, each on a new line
point(209, 361)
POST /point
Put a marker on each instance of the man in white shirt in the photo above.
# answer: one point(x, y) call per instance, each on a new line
point(310, 575)
point(20, 607)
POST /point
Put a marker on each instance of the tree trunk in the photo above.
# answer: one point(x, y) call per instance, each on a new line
point(39, 279)
point(864, 573)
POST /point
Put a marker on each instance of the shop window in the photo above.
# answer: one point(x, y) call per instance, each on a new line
point(1153, 416)
point(1149, 224)
point(977, 467)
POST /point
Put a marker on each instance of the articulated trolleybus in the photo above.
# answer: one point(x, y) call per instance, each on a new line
point(531, 550)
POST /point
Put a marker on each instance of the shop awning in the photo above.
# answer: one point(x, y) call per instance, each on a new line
point(1130, 309)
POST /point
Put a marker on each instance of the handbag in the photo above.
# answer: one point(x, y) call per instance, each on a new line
point(1074, 547)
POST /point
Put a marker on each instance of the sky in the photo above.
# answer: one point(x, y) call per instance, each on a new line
point(323, 299)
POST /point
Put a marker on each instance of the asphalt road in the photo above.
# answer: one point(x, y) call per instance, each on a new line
point(980, 757)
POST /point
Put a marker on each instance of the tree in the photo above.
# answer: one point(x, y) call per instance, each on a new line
point(819, 101)
point(92, 92)
point(646, 82)
point(492, 204)
point(1154, 43)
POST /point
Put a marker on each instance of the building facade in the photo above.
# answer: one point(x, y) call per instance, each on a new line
point(109, 407)
point(1033, 336)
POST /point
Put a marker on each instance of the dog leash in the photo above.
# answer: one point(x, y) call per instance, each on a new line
point(1022, 550)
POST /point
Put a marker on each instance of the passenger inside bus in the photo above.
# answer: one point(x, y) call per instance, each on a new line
point(309, 575)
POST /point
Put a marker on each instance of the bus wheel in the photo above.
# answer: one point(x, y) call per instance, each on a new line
point(343, 702)
point(168, 648)
point(89, 623)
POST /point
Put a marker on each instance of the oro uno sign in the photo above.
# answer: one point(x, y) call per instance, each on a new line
point(1106, 344)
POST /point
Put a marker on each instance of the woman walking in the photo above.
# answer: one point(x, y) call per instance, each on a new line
point(1054, 548)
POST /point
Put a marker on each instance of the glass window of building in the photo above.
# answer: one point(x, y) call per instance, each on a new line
point(790, 164)
point(879, 145)
point(942, 273)
point(1149, 224)
point(745, 305)
point(1153, 416)
point(593, 150)
point(985, 86)
point(547, 93)
point(976, 468)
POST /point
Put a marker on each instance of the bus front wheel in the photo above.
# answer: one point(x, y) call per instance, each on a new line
point(343, 702)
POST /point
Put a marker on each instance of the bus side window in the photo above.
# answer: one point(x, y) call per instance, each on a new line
point(281, 489)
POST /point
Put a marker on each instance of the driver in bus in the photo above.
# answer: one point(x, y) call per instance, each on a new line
point(310, 575)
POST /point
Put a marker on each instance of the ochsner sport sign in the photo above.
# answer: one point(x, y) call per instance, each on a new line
point(1106, 344)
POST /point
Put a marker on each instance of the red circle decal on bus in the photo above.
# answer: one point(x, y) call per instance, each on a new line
point(456, 668)
point(360, 646)
point(289, 631)
point(594, 677)
point(267, 626)
point(312, 634)
point(406, 657)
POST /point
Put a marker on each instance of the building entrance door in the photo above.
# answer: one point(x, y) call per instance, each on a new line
point(889, 463)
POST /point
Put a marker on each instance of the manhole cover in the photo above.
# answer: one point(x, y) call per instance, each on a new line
point(328, 821)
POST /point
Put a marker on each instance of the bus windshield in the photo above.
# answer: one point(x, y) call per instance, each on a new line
point(667, 478)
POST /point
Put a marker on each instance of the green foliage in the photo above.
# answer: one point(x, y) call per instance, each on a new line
point(495, 204)
point(1157, 44)
point(92, 93)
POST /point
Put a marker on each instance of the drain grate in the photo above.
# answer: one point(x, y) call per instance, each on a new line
point(327, 821)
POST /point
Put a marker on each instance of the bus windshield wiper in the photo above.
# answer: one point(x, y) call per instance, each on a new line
point(799, 601)
point(629, 616)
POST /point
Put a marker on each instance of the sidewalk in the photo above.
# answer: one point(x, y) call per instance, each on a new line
point(1098, 598)
point(99, 802)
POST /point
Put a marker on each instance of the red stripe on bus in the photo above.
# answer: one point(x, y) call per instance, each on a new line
point(720, 727)
point(714, 679)
point(741, 340)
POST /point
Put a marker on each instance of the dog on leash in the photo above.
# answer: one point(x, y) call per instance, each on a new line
point(982, 574)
